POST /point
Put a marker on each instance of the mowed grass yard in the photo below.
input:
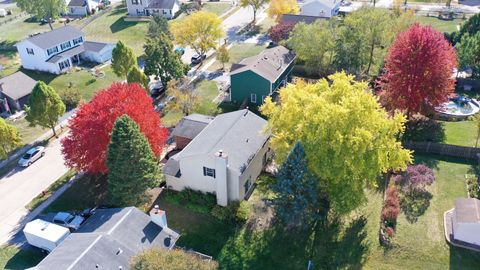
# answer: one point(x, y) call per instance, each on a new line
point(444, 26)
point(462, 133)
point(111, 27)
point(237, 53)
point(216, 7)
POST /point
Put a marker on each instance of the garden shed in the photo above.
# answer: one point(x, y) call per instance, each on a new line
point(466, 221)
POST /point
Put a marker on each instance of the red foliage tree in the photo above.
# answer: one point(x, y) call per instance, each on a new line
point(391, 206)
point(280, 31)
point(418, 71)
point(85, 147)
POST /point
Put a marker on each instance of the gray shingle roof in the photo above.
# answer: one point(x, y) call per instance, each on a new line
point(327, 3)
point(297, 18)
point(69, 53)
point(467, 210)
point(239, 134)
point(17, 85)
point(108, 239)
point(270, 64)
point(56, 36)
point(77, 3)
point(162, 4)
point(190, 126)
point(94, 46)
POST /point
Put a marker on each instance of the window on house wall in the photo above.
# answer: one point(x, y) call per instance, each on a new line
point(64, 64)
point(263, 98)
point(30, 51)
point(253, 98)
point(208, 172)
point(135, 2)
point(247, 184)
point(52, 50)
point(65, 45)
point(164, 11)
point(77, 41)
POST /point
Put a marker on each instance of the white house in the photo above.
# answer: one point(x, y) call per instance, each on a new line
point(81, 7)
point(225, 158)
point(319, 8)
point(165, 8)
point(58, 50)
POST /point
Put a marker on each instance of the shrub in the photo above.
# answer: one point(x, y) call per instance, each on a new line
point(391, 206)
point(473, 187)
point(71, 98)
point(416, 178)
point(390, 232)
point(234, 212)
point(281, 31)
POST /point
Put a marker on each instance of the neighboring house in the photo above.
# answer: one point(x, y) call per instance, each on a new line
point(165, 8)
point(15, 89)
point(462, 224)
point(320, 8)
point(188, 128)
point(225, 158)
point(256, 77)
point(82, 7)
point(58, 50)
point(109, 239)
point(296, 18)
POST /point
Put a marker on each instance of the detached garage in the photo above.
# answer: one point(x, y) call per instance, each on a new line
point(97, 51)
point(15, 90)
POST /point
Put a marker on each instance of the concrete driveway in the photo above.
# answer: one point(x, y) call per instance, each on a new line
point(19, 186)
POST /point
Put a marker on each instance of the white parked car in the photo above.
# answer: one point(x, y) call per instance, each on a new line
point(68, 220)
point(31, 156)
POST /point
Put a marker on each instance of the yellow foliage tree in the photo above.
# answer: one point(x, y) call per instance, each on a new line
point(201, 31)
point(279, 7)
point(349, 139)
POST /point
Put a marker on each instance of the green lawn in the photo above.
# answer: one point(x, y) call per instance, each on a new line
point(237, 53)
point(110, 27)
point(81, 80)
point(460, 133)
point(9, 62)
point(216, 7)
point(14, 258)
point(440, 25)
point(86, 192)
point(171, 118)
point(28, 133)
point(35, 202)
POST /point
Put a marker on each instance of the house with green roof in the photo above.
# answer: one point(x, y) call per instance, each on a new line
point(256, 77)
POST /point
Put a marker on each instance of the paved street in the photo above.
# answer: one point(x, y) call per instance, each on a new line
point(19, 186)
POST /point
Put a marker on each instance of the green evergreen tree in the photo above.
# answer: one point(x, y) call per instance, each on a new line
point(44, 107)
point(162, 61)
point(157, 26)
point(468, 52)
point(132, 166)
point(123, 58)
point(299, 201)
point(135, 75)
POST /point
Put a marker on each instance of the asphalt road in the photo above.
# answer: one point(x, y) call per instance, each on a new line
point(19, 186)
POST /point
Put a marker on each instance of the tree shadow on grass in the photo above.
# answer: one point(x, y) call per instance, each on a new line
point(275, 248)
point(347, 250)
point(414, 204)
point(424, 129)
point(120, 25)
point(25, 258)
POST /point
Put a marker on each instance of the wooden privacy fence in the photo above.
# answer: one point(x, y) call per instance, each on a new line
point(444, 149)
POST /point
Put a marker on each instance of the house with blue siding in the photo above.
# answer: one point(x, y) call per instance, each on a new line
point(256, 77)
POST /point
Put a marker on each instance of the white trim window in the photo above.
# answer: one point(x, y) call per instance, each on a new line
point(64, 64)
point(253, 98)
point(208, 172)
point(65, 45)
point(30, 51)
point(135, 2)
point(77, 41)
point(52, 50)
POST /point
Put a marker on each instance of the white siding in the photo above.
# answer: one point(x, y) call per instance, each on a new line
point(78, 11)
point(252, 172)
point(192, 174)
point(319, 9)
point(132, 9)
point(37, 60)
